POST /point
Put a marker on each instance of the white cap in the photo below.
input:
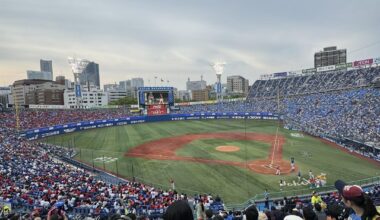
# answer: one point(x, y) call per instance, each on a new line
point(292, 217)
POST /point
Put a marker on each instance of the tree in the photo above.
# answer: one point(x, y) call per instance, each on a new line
point(124, 101)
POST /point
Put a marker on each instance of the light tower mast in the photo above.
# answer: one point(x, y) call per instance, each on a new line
point(17, 111)
point(218, 68)
point(78, 66)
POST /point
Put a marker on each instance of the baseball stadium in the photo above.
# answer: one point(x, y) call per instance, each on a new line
point(189, 110)
point(277, 142)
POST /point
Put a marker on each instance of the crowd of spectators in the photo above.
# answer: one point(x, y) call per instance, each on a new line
point(262, 105)
point(34, 180)
point(353, 114)
point(314, 83)
point(31, 177)
point(352, 202)
point(37, 118)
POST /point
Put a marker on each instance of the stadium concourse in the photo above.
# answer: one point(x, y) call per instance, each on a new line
point(340, 106)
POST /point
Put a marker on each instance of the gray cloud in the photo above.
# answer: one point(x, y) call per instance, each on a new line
point(177, 40)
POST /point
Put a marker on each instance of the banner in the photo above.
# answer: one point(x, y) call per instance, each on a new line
point(282, 74)
point(157, 110)
point(37, 133)
point(362, 62)
point(295, 72)
point(47, 106)
point(218, 88)
point(342, 66)
point(183, 103)
point(326, 68)
point(311, 70)
point(78, 92)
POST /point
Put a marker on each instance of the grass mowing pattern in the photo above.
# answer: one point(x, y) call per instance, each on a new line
point(233, 184)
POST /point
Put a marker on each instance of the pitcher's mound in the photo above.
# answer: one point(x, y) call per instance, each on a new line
point(227, 148)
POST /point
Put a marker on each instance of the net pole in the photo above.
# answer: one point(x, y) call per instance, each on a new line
point(93, 163)
point(246, 152)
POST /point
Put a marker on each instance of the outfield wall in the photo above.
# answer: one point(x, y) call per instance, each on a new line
point(37, 133)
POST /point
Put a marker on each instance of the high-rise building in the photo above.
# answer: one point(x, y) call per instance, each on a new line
point(31, 74)
point(195, 85)
point(115, 94)
point(330, 56)
point(125, 85)
point(137, 82)
point(90, 75)
point(183, 95)
point(4, 90)
point(4, 96)
point(131, 86)
point(38, 92)
point(60, 79)
point(237, 85)
point(200, 95)
point(46, 66)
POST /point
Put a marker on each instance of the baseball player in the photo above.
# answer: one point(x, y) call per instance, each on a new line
point(278, 171)
point(299, 176)
point(292, 164)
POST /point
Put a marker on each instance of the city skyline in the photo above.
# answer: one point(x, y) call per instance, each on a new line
point(175, 41)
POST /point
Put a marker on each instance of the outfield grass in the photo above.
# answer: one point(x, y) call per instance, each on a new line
point(233, 184)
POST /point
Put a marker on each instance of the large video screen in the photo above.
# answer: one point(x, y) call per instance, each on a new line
point(156, 97)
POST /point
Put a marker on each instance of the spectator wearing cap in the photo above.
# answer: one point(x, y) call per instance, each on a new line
point(354, 197)
point(293, 217)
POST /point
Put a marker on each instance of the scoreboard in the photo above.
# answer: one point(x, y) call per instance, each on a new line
point(155, 100)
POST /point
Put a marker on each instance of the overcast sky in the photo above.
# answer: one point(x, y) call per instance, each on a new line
point(175, 40)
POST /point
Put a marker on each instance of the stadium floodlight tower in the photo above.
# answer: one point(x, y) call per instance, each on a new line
point(218, 68)
point(78, 66)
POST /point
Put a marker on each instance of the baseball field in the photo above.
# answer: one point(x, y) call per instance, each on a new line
point(235, 159)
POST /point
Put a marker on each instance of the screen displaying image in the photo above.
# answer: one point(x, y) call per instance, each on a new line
point(154, 98)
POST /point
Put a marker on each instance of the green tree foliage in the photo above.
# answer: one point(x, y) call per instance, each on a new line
point(124, 101)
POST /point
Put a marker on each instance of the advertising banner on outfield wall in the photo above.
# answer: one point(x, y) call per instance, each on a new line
point(37, 133)
point(362, 62)
point(294, 72)
point(47, 106)
point(326, 68)
point(311, 70)
point(342, 66)
point(266, 76)
point(282, 74)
